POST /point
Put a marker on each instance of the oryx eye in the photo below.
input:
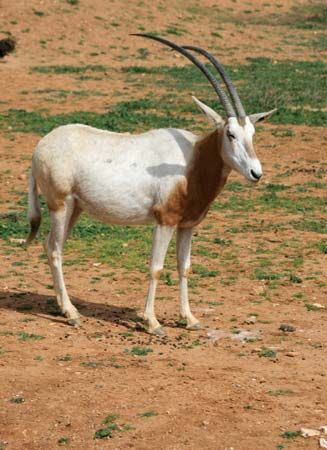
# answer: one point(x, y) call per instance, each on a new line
point(230, 135)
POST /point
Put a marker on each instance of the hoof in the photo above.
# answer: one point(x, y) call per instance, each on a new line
point(194, 327)
point(158, 332)
point(74, 322)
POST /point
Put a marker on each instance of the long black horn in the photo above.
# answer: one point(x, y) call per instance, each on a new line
point(228, 82)
point(214, 82)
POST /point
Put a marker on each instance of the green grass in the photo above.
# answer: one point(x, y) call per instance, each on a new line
point(267, 353)
point(23, 336)
point(148, 414)
point(64, 69)
point(64, 440)
point(110, 427)
point(291, 434)
point(292, 86)
point(140, 351)
point(125, 116)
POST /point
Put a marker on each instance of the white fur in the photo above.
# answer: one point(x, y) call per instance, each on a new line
point(119, 178)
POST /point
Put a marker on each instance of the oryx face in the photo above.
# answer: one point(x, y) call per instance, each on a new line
point(238, 150)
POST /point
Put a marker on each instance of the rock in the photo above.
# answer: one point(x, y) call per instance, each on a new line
point(250, 320)
point(292, 354)
point(17, 241)
point(309, 432)
point(22, 177)
point(323, 428)
point(323, 443)
point(286, 327)
point(318, 305)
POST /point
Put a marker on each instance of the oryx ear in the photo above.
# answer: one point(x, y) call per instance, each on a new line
point(214, 118)
point(261, 116)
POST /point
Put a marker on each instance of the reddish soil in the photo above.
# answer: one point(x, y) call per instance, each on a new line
point(204, 394)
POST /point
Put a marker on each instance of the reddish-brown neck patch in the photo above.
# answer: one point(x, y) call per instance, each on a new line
point(189, 201)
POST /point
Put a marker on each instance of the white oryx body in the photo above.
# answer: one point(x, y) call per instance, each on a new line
point(167, 176)
point(114, 177)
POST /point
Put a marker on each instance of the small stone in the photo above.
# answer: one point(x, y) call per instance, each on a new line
point(309, 432)
point(318, 305)
point(323, 428)
point(323, 443)
point(250, 320)
point(22, 177)
point(17, 240)
point(205, 423)
point(286, 327)
point(292, 354)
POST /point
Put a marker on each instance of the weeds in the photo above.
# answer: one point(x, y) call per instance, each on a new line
point(267, 353)
point(111, 427)
point(140, 351)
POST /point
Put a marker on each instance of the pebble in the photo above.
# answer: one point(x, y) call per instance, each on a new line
point(323, 443)
point(323, 428)
point(292, 354)
point(250, 320)
point(286, 327)
point(318, 305)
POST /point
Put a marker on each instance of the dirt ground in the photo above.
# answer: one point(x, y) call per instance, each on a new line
point(193, 390)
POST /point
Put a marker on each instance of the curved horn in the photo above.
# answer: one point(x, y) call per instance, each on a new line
point(214, 82)
point(228, 82)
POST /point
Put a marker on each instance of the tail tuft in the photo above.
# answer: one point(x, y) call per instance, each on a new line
point(34, 210)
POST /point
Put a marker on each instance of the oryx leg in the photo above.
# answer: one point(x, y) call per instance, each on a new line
point(161, 238)
point(183, 246)
point(62, 220)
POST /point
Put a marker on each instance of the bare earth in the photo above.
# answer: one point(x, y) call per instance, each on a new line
point(193, 391)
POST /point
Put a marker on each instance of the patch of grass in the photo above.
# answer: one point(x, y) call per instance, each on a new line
point(63, 440)
point(315, 225)
point(140, 351)
point(39, 13)
point(125, 116)
point(62, 69)
point(222, 241)
point(23, 336)
point(17, 399)
point(291, 434)
point(111, 426)
point(295, 279)
point(267, 353)
point(322, 246)
point(279, 392)
point(148, 414)
point(203, 272)
point(92, 364)
point(259, 274)
point(64, 358)
point(292, 86)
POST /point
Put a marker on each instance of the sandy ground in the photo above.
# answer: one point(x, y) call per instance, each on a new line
point(194, 390)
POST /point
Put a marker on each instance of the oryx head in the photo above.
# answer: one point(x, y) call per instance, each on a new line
point(238, 129)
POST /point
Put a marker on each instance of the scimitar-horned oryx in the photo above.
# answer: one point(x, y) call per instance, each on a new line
point(166, 176)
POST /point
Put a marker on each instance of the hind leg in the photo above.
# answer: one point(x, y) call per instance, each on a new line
point(62, 221)
point(183, 241)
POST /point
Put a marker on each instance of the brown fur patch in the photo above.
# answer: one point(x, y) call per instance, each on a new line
point(189, 202)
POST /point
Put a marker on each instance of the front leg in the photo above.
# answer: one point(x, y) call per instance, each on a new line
point(184, 240)
point(161, 238)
